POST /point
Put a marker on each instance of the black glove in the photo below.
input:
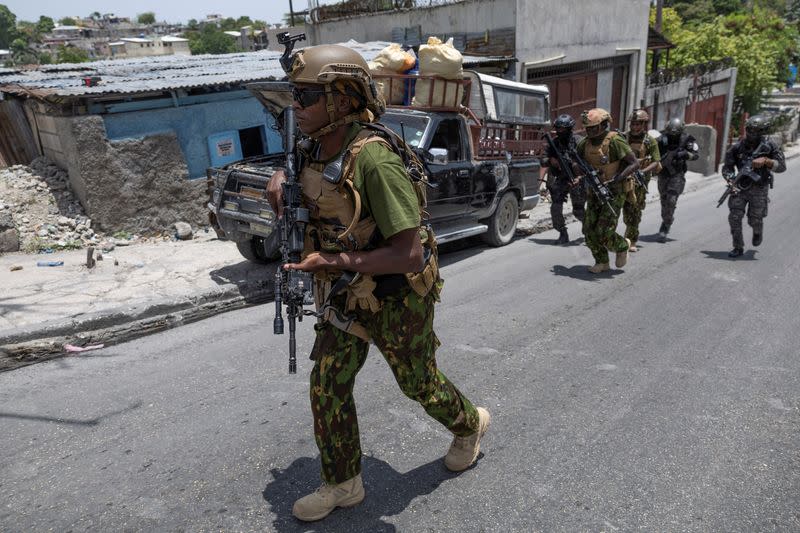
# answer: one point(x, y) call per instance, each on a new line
point(683, 155)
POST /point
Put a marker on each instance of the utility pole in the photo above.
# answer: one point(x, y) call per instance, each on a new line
point(656, 57)
point(291, 14)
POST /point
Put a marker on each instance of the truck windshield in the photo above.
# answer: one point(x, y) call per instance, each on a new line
point(413, 127)
point(512, 103)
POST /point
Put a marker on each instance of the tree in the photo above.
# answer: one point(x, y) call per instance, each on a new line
point(21, 53)
point(228, 24)
point(66, 21)
point(146, 18)
point(45, 25)
point(760, 43)
point(192, 24)
point(241, 22)
point(70, 54)
point(212, 41)
point(8, 27)
point(95, 15)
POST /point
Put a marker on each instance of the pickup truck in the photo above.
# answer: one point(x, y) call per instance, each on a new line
point(482, 161)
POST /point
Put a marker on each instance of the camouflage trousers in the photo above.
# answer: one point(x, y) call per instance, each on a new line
point(403, 332)
point(559, 191)
point(632, 212)
point(669, 188)
point(600, 225)
point(754, 201)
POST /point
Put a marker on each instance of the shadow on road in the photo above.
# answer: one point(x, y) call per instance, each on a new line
point(254, 282)
point(653, 238)
point(582, 272)
point(552, 242)
point(749, 255)
point(388, 493)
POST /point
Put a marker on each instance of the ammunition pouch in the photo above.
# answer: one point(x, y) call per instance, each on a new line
point(329, 313)
point(425, 280)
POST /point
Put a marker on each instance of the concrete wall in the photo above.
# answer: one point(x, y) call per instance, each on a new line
point(472, 16)
point(137, 185)
point(571, 31)
point(706, 137)
point(192, 125)
point(673, 98)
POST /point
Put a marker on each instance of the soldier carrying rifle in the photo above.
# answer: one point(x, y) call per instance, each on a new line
point(749, 164)
point(676, 147)
point(611, 157)
point(365, 197)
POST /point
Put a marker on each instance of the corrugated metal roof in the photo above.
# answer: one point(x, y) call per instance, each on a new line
point(162, 73)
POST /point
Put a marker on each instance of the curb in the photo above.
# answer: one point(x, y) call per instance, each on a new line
point(45, 342)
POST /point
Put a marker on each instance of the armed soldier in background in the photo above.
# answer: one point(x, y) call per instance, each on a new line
point(351, 164)
point(755, 158)
point(609, 154)
point(676, 147)
point(645, 148)
point(559, 184)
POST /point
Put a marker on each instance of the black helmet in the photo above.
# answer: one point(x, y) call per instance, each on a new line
point(674, 127)
point(758, 124)
point(564, 121)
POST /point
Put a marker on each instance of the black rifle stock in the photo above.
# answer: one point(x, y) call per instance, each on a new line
point(590, 175)
point(292, 287)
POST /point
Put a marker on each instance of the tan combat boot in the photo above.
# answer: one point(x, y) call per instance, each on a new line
point(464, 450)
point(599, 267)
point(632, 248)
point(622, 257)
point(325, 499)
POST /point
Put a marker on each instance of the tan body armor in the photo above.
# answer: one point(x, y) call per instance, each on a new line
point(641, 150)
point(336, 226)
point(597, 156)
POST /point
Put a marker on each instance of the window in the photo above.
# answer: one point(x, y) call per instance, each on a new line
point(252, 141)
point(512, 103)
point(448, 136)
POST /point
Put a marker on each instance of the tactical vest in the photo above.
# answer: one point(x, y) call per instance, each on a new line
point(336, 225)
point(597, 156)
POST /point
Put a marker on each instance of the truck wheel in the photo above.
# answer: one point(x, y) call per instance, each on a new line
point(258, 250)
point(503, 222)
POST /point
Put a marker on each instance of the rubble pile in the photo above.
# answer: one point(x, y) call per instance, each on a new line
point(44, 212)
point(39, 213)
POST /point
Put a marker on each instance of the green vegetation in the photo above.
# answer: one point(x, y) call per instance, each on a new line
point(123, 235)
point(759, 40)
point(70, 54)
point(147, 17)
point(67, 21)
point(210, 40)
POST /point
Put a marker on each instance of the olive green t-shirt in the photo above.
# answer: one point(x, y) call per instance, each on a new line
point(618, 148)
point(386, 191)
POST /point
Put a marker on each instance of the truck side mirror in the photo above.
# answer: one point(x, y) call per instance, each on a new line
point(438, 156)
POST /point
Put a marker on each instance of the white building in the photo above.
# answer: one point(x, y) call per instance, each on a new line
point(141, 47)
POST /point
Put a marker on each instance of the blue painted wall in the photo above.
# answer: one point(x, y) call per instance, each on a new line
point(193, 124)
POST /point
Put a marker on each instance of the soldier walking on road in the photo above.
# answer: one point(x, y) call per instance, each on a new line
point(391, 301)
point(607, 152)
point(675, 147)
point(645, 148)
point(755, 158)
point(559, 184)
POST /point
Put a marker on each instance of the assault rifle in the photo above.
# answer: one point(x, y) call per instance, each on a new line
point(638, 175)
point(292, 287)
point(746, 176)
point(590, 175)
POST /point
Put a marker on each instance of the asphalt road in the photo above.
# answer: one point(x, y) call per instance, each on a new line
point(662, 398)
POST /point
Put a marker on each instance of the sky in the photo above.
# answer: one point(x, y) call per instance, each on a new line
point(271, 11)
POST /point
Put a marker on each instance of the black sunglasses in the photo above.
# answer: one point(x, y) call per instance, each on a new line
point(306, 97)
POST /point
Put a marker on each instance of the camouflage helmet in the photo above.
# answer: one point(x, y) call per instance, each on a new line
point(339, 69)
point(564, 121)
point(639, 115)
point(595, 117)
point(758, 124)
point(674, 127)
